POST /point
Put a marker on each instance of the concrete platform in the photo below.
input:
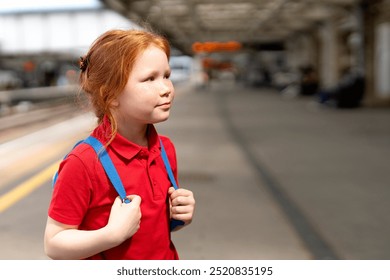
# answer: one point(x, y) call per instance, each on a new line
point(278, 178)
point(274, 178)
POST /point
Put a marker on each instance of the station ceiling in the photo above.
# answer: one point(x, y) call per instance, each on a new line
point(250, 22)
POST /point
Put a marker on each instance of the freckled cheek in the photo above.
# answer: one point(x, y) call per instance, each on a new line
point(153, 89)
point(173, 91)
point(146, 92)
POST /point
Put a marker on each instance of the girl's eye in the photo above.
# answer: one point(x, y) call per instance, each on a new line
point(167, 75)
point(150, 79)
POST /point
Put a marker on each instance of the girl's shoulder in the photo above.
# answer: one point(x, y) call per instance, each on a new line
point(167, 142)
point(77, 165)
point(81, 149)
point(83, 152)
point(169, 148)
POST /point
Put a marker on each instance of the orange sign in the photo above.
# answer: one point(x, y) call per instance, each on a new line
point(209, 47)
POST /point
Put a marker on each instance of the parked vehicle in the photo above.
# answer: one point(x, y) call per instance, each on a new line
point(9, 80)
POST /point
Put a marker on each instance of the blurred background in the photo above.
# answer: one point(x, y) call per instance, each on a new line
point(281, 121)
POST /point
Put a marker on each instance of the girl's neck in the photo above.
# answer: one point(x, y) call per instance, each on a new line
point(135, 134)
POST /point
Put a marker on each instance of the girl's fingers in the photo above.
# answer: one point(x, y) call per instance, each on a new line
point(181, 209)
point(182, 201)
point(179, 192)
point(186, 218)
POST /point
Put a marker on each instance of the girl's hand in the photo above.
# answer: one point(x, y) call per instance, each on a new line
point(125, 219)
point(68, 242)
point(182, 205)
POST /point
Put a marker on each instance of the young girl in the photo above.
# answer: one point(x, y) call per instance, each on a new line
point(126, 76)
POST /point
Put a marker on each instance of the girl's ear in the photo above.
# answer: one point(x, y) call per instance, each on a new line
point(115, 103)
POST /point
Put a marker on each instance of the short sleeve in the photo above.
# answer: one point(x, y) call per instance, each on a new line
point(71, 193)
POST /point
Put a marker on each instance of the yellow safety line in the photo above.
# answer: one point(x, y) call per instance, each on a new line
point(25, 188)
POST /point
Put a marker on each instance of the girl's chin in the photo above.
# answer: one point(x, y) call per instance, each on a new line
point(161, 118)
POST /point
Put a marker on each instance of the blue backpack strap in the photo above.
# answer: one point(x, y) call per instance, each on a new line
point(174, 223)
point(168, 166)
point(108, 167)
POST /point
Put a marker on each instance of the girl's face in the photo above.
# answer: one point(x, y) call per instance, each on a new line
point(148, 95)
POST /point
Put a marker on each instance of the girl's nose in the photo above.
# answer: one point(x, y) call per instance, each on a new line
point(166, 88)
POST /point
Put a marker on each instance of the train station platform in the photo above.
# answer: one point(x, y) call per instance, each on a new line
point(274, 178)
point(278, 178)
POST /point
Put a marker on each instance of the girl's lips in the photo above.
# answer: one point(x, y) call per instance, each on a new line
point(166, 104)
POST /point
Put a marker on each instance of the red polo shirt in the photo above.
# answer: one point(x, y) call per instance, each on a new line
point(83, 194)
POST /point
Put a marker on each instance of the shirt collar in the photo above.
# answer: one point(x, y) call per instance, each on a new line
point(124, 147)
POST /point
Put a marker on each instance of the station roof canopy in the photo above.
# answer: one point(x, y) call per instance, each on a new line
point(250, 22)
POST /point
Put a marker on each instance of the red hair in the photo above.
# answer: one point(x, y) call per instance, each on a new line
point(106, 68)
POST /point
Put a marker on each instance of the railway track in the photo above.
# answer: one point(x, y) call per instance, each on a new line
point(30, 114)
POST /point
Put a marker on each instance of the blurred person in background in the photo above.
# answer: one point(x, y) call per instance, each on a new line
point(348, 93)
